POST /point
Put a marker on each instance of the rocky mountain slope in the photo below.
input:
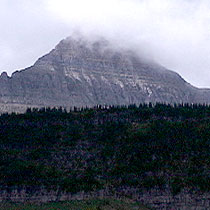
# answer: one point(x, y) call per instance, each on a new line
point(82, 73)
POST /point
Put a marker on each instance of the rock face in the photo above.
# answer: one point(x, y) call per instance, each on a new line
point(82, 73)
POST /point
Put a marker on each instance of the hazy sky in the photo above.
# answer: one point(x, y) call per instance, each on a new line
point(174, 32)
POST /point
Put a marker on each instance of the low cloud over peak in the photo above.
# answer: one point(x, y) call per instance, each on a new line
point(174, 32)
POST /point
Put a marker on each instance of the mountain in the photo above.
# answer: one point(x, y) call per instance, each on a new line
point(79, 73)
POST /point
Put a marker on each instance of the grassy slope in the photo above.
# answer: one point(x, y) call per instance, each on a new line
point(77, 205)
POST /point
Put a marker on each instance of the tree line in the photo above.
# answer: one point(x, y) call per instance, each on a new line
point(91, 148)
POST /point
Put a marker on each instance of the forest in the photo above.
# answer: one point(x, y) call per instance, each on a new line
point(87, 149)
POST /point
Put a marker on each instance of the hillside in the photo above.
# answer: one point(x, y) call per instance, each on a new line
point(91, 149)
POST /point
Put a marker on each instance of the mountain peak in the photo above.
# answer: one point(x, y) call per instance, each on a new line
point(4, 75)
point(84, 72)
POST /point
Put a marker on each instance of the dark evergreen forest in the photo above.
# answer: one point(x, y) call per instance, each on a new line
point(92, 148)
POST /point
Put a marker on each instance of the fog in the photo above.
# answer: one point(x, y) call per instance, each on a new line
point(176, 33)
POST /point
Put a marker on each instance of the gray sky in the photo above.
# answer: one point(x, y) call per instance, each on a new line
point(176, 33)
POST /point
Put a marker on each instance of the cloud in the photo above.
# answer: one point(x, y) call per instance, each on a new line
point(174, 32)
point(27, 32)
